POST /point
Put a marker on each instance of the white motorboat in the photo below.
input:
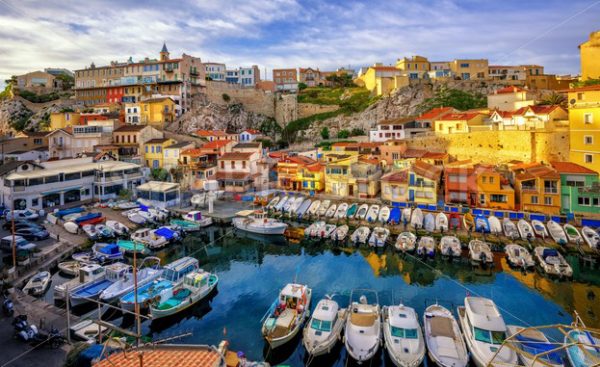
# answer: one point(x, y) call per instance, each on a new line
point(379, 237)
point(552, 262)
point(429, 222)
point(539, 228)
point(90, 291)
point(480, 252)
point(518, 256)
point(304, 207)
point(495, 225)
point(510, 229)
point(445, 344)
point(314, 207)
point(287, 314)
point(384, 214)
point(572, 233)
point(148, 237)
point(90, 231)
point(309, 229)
point(136, 218)
point(87, 273)
point(591, 237)
point(525, 230)
point(328, 230)
point(531, 343)
point(71, 227)
point(360, 235)
point(273, 202)
point(117, 227)
point(288, 204)
point(104, 231)
point(416, 218)
point(450, 246)
point(126, 284)
point(426, 247)
point(340, 233)
point(361, 213)
point(70, 268)
point(406, 242)
point(197, 217)
point(323, 207)
point(484, 331)
point(258, 222)
point(340, 213)
point(281, 203)
point(583, 348)
point(324, 329)
point(126, 205)
point(362, 334)
point(372, 213)
point(317, 229)
point(296, 204)
point(403, 336)
point(352, 209)
point(331, 211)
point(557, 233)
point(406, 215)
point(38, 284)
point(441, 222)
point(88, 331)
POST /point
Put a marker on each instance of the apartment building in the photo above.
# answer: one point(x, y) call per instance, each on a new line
point(286, 80)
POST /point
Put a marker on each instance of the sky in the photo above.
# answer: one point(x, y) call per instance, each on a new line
point(292, 33)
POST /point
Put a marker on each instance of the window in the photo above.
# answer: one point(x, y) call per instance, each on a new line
point(496, 198)
point(243, 164)
point(464, 65)
point(222, 164)
point(158, 149)
point(583, 201)
point(588, 158)
point(491, 179)
point(547, 201)
point(534, 200)
point(482, 199)
point(483, 179)
point(320, 325)
point(232, 164)
point(588, 140)
point(588, 118)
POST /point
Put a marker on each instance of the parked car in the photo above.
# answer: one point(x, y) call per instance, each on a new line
point(22, 224)
point(21, 214)
point(6, 244)
point(32, 234)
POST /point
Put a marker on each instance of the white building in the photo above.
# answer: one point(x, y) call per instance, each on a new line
point(249, 135)
point(132, 113)
point(56, 183)
point(215, 71)
point(510, 99)
point(160, 194)
point(68, 143)
point(39, 154)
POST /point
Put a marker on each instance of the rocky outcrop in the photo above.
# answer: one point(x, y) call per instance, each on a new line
point(19, 114)
point(11, 112)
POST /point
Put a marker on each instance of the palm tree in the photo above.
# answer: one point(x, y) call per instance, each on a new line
point(553, 99)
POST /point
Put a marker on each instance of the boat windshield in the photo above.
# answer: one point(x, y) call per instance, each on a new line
point(489, 337)
point(321, 325)
point(404, 333)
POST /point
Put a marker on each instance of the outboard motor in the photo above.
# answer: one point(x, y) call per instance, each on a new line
point(8, 307)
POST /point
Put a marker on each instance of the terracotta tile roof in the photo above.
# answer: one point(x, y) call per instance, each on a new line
point(569, 167)
point(368, 160)
point(164, 356)
point(211, 133)
point(233, 175)
point(216, 144)
point(235, 156)
point(583, 89)
point(539, 171)
point(538, 110)
point(413, 153)
point(193, 152)
point(385, 68)
point(435, 113)
point(427, 170)
point(252, 131)
point(130, 128)
point(398, 176)
point(249, 144)
point(463, 170)
point(435, 155)
point(504, 114)
point(315, 167)
point(157, 141)
point(459, 116)
point(507, 90)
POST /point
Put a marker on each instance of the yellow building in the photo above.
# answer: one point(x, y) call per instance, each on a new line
point(590, 54)
point(458, 122)
point(423, 183)
point(338, 178)
point(537, 188)
point(154, 152)
point(394, 186)
point(493, 190)
point(382, 80)
point(172, 154)
point(311, 177)
point(416, 67)
point(157, 112)
point(61, 120)
point(288, 171)
point(584, 121)
point(470, 69)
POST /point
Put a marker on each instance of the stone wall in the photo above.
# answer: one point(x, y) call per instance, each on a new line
point(254, 100)
point(286, 108)
point(309, 109)
point(498, 146)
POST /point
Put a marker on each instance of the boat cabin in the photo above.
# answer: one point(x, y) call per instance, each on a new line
point(325, 316)
point(197, 279)
point(91, 272)
point(117, 271)
point(484, 320)
point(403, 323)
point(179, 268)
point(293, 296)
point(194, 216)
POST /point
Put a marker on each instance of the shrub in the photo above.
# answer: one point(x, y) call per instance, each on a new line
point(325, 133)
point(357, 132)
point(343, 134)
point(302, 86)
point(226, 97)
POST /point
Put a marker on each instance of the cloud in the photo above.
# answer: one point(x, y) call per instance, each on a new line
point(292, 33)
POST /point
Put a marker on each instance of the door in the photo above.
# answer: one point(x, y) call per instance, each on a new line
point(155, 163)
point(350, 190)
point(411, 195)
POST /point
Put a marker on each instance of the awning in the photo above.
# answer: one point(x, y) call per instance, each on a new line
point(58, 191)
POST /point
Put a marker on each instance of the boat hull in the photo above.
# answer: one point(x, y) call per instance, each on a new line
point(194, 299)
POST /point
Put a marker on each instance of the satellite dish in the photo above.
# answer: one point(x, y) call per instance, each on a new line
point(572, 101)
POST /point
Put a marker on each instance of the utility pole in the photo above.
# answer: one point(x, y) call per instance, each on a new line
point(136, 306)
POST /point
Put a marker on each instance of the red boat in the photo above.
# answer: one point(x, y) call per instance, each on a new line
point(454, 221)
point(92, 221)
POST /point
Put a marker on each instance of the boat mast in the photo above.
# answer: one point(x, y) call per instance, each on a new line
point(136, 306)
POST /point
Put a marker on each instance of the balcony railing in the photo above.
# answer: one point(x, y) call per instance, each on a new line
point(550, 190)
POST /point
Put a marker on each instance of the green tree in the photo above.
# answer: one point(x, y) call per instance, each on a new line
point(67, 81)
point(159, 174)
point(456, 98)
point(342, 80)
point(302, 86)
point(325, 133)
point(226, 97)
point(343, 134)
point(357, 132)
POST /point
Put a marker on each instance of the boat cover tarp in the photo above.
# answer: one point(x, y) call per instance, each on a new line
point(110, 249)
point(549, 252)
point(535, 347)
point(62, 213)
point(143, 208)
point(87, 217)
point(592, 223)
point(395, 215)
point(165, 232)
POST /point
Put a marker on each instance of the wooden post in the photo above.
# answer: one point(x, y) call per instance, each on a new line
point(68, 307)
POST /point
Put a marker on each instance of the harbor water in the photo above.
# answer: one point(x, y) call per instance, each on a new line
point(252, 270)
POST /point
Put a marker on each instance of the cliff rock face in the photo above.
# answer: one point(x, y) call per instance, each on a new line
point(25, 115)
point(11, 111)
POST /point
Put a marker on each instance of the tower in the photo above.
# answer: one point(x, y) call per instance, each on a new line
point(164, 53)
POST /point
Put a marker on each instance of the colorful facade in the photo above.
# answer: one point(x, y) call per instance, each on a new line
point(423, 183)
point(537, 188)
point(311, 178)
point(452, 123)
point(338, 178)
point(590, 54)
point(493, 189)
point(584, 121)
point(394, 186)
point(580, 189)
point(288, 168)
point(61, 120)
point(157, 112)
point(154, 152)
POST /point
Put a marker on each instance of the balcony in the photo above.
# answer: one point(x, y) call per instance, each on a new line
point(550, 190)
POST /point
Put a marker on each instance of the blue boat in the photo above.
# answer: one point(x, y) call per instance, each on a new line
point(87, 217)
point(91, 291)
point(168, 233)
point(585, 348)
point(107, 251)
point(482, 224)
point(395, 214)
point(62, 213)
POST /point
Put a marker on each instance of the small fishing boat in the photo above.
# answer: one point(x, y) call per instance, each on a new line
point(119, 228)
point(148, 237)
point(525, 229)
point(72, 217)
point(445, 344)
point(426, 247)
point(38, 284)
point(362, 334)
point(145, 274)
point(482, 224)
point(128, 247)
point(406, 242)
point(384, 214)
point(136, 218)
point(518, 257)
point(88, 331)
point(351, 210)
point(87, 273)
point(70, 268)
point(287, 314)
point(583, 349)
point(360, 235)
point(406, 215)
point(395, 215)
point(296, 204)
point(480, 252)
point(495, 225)
point(281, 203)
point(126, 205)
point(572, 233)
point(314, 207)
point(416, 218)
point(340, 233)
point(539, 229)
point(454, 221)
point(273, 202)
point(468, 222)
point(510, 229)
point(84, 257)
point(185, 225)
point(591, 237)
point(288, 204)
point(85, 218)
point(485, 331)
point(316, 229)
point(450, 246)
point(552, 262)
point(309, 229)
point(258, 222)
point(107, 252)
point(379, 236)
point(341, 211)
point(196, 286)
point(441, 222)
point(197, 217)
point(104, 231)
point(304, 207)
point(328, 230)
point(90, 231)
point(324, 328)
point(531, 343)
point(63, 212)
point(323, 207)
point(429, 222)
point(372, 213)
point(71, 227)
point(91, 291)
point(331, 211)
point(361, 213)
point(557, 233)
point(403, 336)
